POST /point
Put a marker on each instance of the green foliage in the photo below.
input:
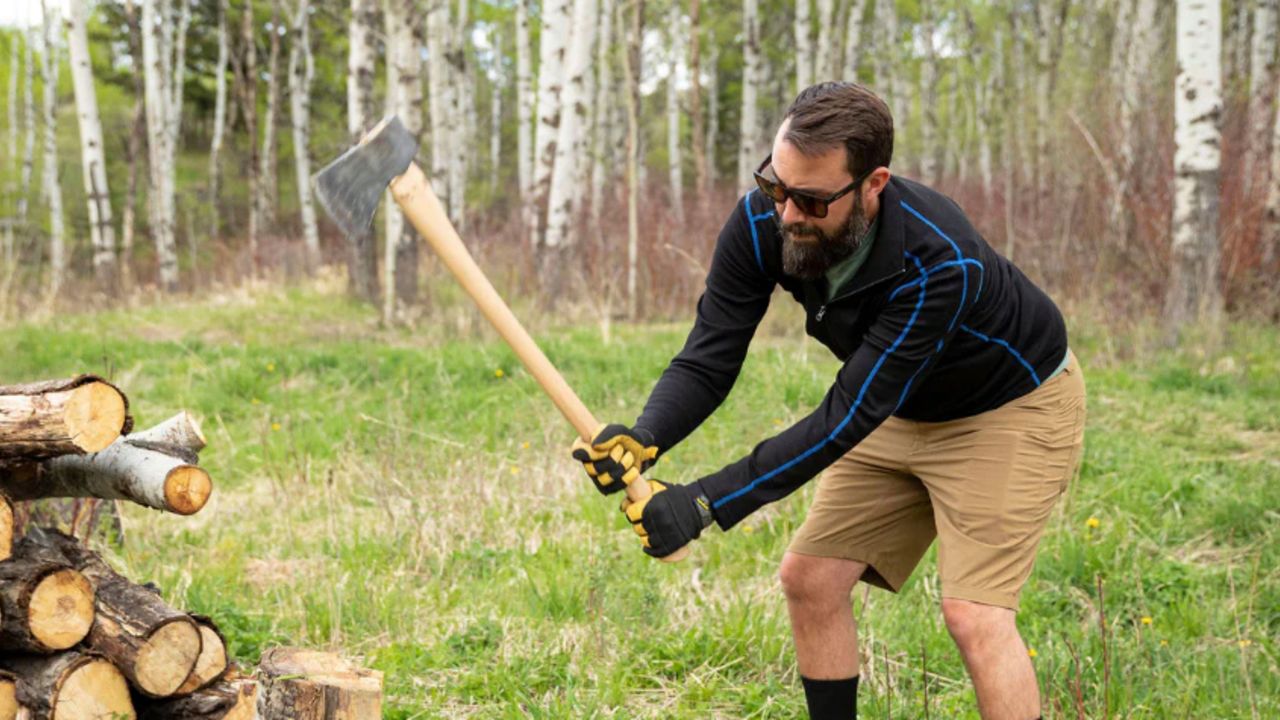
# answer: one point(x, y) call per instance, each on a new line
point(386, 493)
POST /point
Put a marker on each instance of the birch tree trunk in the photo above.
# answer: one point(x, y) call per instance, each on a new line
point(440, 84)
point(133, 146)
point(52, 189)
point(462, 113)
point(853, 38)
point(602, 110)
point(556, 29)
point(888, 70)
point(928, 97)
point(101, 231)
point(1261, 92)
point(247, 89)
point(675, 175)
point(713, 113)
point(699, 122)
point(749, 135)
point(301, 71)
point(631, 71)
point(29, 132)
point(1271, 224)
point(570, 152)
point(803, 40)
point(1008, 147)
point(219, 119)
point(163, 59)
point(268, 187)
point(495, 119)
point(404, 98)
point(524, 116)
point(362, 251)
point(824, 65)
point(10, 189)
point(1194, 293)
point(1138, 55)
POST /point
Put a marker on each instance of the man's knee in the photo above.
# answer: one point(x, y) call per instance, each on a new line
point(972, 624)
point(811, 580)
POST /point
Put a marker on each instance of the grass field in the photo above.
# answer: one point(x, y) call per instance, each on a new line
point(405, 496)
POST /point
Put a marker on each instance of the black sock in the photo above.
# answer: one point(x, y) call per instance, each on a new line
point(831, 699)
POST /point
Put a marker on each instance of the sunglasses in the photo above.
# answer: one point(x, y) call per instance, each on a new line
point(815, 206)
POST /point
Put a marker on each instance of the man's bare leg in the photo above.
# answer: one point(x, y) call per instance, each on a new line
point(996, 658)
point(817, 591)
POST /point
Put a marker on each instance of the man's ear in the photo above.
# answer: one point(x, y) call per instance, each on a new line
point(877, 180)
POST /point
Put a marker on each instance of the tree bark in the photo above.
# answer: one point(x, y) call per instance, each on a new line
point(93, 161)
point(8, 696)
point(556, 31)
point(1194, 294)
point(133, 148)
point(247, 92)
point(47, 605)
point(29, 132)
point(163, 90)
point(496, 83)
point(73, 685)
point(928, 97)
point(301, 71)
point(699, 122)
point(79, 415)
point(524, 116)
point(155, 646)
point(219, 119)
point(404, 98)
point(1136, 66)
point(631, 71)
point(52, 188)
point(749, 135)
point(823, 65)
point(1266, 24)
point(713, 114)
point(10, 189)
point(296, 684)
point(675, 174)
point(234, 699)
point(803, 40)
point(268, 187)
point(569, 151)
point(1271, 223)
point(362, 250)
point(853, 38)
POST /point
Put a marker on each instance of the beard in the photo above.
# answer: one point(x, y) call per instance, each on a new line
point(808, 252)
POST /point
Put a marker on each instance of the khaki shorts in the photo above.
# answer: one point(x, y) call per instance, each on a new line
point(984, 485)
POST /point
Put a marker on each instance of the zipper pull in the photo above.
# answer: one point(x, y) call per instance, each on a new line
point(821, 312)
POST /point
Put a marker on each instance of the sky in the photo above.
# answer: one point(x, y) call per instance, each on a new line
point(25, 12)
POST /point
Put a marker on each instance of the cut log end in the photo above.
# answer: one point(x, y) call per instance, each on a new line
point(93, 690)
point(61, 609)
point(8, 696)
point(94, 415)
point(6, 531)
point(166, 658)
point(297, 683)
point(187, 489)
point(211, 664)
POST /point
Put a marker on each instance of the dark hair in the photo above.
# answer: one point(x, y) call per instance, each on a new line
point(832, 114)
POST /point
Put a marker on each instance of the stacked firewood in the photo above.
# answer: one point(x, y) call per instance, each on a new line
point(79, 640)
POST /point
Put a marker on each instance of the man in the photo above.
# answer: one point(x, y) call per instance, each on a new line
point(958, 412)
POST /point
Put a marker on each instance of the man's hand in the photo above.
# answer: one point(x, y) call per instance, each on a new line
point(616, 456)
point(670, 518)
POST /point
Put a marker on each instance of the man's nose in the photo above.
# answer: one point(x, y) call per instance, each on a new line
point(792, 214)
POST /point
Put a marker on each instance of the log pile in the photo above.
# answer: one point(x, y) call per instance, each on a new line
point(79, 640)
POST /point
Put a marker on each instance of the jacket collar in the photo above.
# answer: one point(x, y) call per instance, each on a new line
point(886, 259)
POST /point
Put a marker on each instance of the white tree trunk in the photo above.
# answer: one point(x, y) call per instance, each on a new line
point(361, 61)
point(824, 61)
point(749, 135)
point(463, 117)
point(162, 62)
point(713, 111)
point(888, 68)
point(570, 153)
point(219, 114)
point(929, 150)
point(52, 189)
point(439, 102)
point(1266, 23)
point(524, 113)
point(556, 30)
point(495, 118)
point(675, 176)
point(602, 110)
point(10, 187)
point(268, 187)
point(985, 82)
point(853, 39)
point(301, 71)
point(1271, 224)
point(803, 42)
point(631, 56)
point(1139, 32)
point(101, 231)
point(1194, 293)
point(29, 131)
point(404, 98)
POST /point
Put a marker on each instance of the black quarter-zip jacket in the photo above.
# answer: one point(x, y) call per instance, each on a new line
point(934, 326)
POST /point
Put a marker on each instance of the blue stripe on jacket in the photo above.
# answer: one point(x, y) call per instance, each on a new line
point(852, 410)
point(751, 221)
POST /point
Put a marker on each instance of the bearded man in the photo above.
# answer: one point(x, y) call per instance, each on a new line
point(958, 412)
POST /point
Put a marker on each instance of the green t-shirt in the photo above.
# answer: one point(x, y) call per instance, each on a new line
point(841, 273)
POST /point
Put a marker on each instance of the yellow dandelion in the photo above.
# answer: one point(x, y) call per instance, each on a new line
point(271, 367)
point(1146, 620)
point(256, 401)
point(498, 373)
point(1031, 652)
point(1244, 642)
point(1164, 643)
point(275, 426)
point(777, 421)
point(1093, 523)
point(515, 470)
point(524, 445)
point(748, 529)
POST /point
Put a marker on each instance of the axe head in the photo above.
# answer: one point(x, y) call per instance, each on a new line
point(351, 187)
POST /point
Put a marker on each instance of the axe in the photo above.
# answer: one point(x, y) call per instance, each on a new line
point(350, 189)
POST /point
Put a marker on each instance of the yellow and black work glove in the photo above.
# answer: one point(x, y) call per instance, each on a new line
point(616, 456)
point(672, 517)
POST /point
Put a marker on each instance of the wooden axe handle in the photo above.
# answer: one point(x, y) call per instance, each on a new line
point(414, 196)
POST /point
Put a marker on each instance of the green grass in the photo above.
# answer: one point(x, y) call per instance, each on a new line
point(385, 493)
